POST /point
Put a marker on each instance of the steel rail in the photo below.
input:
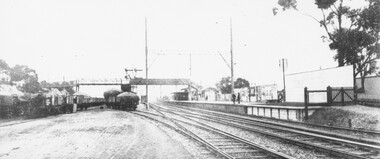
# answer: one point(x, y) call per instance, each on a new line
point(369, 132)
point(196, 136)
point(211, 128)
point(186, 133)
point(321, 148)
point(330, 136)
point(267, 151)
point(373, 132)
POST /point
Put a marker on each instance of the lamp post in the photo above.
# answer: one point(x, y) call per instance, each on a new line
point(283, 65)
point(232, 60)
point(146, 64)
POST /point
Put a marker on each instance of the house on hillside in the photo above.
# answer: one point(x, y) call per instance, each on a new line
point(4, 77)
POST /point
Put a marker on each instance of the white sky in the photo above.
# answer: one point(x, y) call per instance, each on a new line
point(99, 38)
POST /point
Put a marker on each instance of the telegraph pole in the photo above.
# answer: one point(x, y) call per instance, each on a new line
point(146, 64)
point(232, 61)
point(282, 61)
point(190, 64)
point(190, 95)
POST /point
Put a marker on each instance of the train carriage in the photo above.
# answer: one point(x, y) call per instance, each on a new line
point(110, 98)
point(128, 101)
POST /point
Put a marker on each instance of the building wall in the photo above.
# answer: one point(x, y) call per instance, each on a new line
point(244, 93)
point(4, 77)
point(372, 88)
point(211, 95)
point(264, 92)
point(317, 80)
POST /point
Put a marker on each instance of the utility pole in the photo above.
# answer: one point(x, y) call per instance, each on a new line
point(146, 64)
point(282, 62)
point(190, 95)
point(232, 61)
point(190, 64)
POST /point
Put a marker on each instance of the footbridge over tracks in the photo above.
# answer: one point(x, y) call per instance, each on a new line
point(134, 81)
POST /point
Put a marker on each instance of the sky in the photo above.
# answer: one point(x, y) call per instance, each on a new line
point(98, 39)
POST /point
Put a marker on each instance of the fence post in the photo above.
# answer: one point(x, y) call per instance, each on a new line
point(264, 111)
point(342, 95)
point(306, 94)
point(355, 95)
point(349, 123)
point(258, 113)
point(287, 114)
point(270, 112)
point(329, 95)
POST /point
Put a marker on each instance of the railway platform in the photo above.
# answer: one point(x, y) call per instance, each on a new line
point(295, 113)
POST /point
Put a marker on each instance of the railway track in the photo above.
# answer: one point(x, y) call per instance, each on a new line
point(219, 142)
point(360, 133)
point(344, 147)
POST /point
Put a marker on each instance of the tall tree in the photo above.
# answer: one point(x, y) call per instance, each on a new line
point(22, 72)
point(352, 32)
point(28, 75)
point(68, 89)
point(4, 65)
point(31, 85)
point(224, 85)
point(241, 83)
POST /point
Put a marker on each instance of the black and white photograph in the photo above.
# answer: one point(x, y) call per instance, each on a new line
point(189, 79)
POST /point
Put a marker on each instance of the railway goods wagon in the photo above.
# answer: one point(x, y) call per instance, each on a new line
point(110, 98)
point(127, 100)
point(180, 96)
point(84, 102)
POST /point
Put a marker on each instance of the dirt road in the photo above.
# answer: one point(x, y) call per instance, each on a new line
point(95, 133)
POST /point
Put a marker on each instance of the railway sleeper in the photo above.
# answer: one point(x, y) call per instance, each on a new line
point(363, 153)
point(231, 144)
point(305, 138)
point(321, 156)
point(251, 157)
point(244, 151)
point(243, 154)
point(233, 147)
point(227, 141)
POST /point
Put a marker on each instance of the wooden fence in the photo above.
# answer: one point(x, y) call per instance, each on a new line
point(334, 96)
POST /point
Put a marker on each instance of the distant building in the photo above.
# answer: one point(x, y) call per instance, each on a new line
point(4, 77)
point(210, 94)
point(263, 92)
point(371, 87)
point(244, 93)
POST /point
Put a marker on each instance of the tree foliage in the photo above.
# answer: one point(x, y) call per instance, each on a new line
point(31, 85)
point(241, 83)
point(224, 85)
point(352, 32)
point(65, 86)
point(3, 65)
point(287, 4)
point(22, 72)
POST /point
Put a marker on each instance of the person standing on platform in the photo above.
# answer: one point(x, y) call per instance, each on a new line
point(238, 98)
point(233, 98)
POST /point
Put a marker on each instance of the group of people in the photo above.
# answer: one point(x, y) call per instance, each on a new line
point(234, 98)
